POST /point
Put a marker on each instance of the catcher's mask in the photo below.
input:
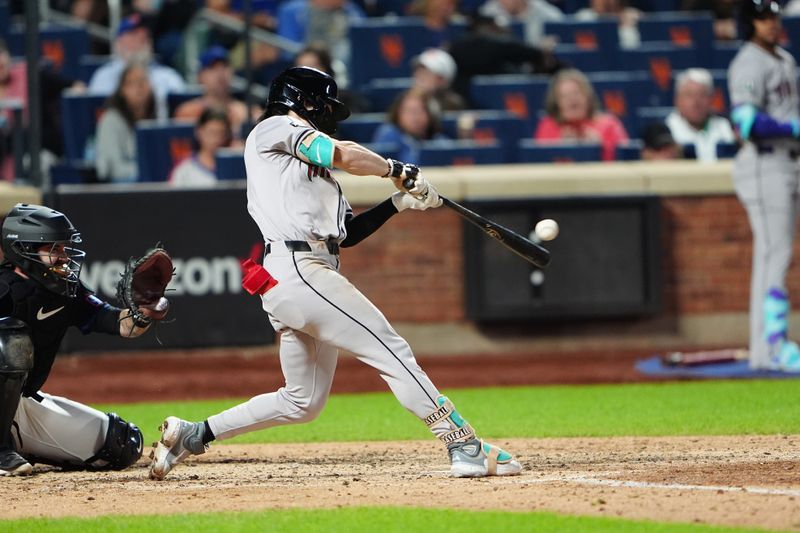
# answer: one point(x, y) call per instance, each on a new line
point(310, 93)
point(41, 242)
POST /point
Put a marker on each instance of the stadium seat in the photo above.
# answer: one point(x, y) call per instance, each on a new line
point(791, 29)
point(683, 30)
point(723, 52)
point(458, 153)
point(5, 19)
point(88, 64)
point(660, 60)
point(385, 149)
point(722, 99)
point(531, 151)
point(382, 92)
point(361, 127)
point(583, 59)
point(174, 100)
point(230, 165)
point(630, 151)
point(586, 35)
point(79, 116)
point(61, 46)
point(520, 95)
point(727, 150)
point(621, 93)
point(648, 115)
point(72, 172)
point(384, 48)
point(489, 126)
point(160, 146)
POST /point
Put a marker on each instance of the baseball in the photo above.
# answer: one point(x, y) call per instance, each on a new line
point(547, 229)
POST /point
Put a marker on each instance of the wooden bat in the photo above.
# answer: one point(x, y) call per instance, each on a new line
point(525, 248)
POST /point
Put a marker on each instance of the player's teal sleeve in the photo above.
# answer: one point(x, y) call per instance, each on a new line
point(320, 151)
point(751, 123)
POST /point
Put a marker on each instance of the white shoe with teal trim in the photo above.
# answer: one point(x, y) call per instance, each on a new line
point(478, 458)
point(179, 440)
point(788, 359)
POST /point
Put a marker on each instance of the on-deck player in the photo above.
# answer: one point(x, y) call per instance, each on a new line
point(766, 176)
point(304, 218)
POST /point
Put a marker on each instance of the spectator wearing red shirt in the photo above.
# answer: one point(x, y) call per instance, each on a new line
point(573, 114)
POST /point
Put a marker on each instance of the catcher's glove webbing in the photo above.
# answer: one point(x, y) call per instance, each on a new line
point(142, 286)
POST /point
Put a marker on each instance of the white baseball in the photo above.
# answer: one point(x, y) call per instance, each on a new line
point(547, 229)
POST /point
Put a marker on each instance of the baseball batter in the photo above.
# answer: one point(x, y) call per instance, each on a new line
point(766, 113)
point(304, 218)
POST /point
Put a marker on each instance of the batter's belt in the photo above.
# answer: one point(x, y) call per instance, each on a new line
point(303, 246)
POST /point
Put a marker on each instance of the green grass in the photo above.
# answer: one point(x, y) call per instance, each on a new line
point(354, 520)
point(684, 408)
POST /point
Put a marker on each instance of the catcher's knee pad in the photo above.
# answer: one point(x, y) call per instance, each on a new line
point(16, 347)
point(123, 446)
point(447, 424)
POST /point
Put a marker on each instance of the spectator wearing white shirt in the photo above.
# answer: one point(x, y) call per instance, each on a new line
point(532, 13)
point(213, 131)
point(133, 44)
point(692, 121)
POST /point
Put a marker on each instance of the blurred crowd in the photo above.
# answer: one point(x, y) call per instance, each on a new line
point(163, 47)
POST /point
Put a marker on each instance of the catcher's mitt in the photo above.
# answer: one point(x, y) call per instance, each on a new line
point(143, 283)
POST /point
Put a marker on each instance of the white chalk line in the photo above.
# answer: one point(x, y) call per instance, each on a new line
point(583, 480)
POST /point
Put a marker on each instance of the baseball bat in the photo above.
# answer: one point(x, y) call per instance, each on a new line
point(525, 248)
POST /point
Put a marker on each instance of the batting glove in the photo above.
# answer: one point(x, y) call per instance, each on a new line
point(401, 170)
point(403, 201)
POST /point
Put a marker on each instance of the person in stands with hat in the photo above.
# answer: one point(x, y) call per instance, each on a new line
point(215, 76)
point(134, 44)
point(433, 73)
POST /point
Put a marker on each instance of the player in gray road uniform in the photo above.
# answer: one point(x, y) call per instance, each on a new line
point(304, 218)
point(766, 112)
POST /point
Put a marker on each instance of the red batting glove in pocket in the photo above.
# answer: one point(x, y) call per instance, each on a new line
point(256, 279)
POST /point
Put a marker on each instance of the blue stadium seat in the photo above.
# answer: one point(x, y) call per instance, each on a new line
point(490, 126)
point(630, 151)
point(72, 172)
point(586, 35)
point(727, 150)
point(648, 115)
point(660, 60)
point(685, 30)
point(383, 91)
point(723, 52)
point(79, 116)
point(361, 127)
point(174, 100)
point(88, 64)
point(621, 93)
point(62, 46)
point(656, 6)
point(385, 149)
point(791, 28)
point(532, 152)
point(583, 59)
point(722, 97)
point(459, 153)
point(230, 165)
point(161, 146)
point(384, 48)
point(5, 19)
point(520, 95)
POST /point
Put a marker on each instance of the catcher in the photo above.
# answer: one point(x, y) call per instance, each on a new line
point(41, 296)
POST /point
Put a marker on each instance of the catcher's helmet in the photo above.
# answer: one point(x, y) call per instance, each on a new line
point(28, 228)
point(756, 9)
point(310, 93)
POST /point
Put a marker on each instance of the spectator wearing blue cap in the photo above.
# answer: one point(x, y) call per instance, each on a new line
point(215, 76)
point(133, 44)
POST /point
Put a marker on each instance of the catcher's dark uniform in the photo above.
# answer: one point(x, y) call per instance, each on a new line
point(51, 429)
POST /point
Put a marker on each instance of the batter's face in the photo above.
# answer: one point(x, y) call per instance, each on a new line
point(412, 117)
point(573, 102)
point(767, 31)
point(693, 102)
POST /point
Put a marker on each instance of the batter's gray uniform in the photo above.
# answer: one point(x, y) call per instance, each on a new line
point(766, 177)
point(316, 310)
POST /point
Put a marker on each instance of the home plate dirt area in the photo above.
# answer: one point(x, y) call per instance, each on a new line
point(738, 481)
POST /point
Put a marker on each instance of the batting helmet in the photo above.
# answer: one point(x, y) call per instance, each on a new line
point(310, 93)
point(26, 229)
point(756, 9)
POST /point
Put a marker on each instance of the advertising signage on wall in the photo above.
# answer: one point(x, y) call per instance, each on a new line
point(207, 232)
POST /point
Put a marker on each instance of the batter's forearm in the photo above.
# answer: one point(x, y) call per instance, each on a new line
point(358, 160)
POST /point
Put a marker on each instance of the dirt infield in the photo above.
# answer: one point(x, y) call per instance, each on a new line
point(737, 481)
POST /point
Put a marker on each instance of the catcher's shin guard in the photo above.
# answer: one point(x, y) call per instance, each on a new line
point(16, 359)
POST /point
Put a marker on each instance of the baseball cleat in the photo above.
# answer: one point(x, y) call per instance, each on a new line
point(477, 458)
point(13, 464)
point(179, 440)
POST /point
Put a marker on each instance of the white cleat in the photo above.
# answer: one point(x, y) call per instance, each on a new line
point(478, 458)
point(13, 464)
point(179, 440)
